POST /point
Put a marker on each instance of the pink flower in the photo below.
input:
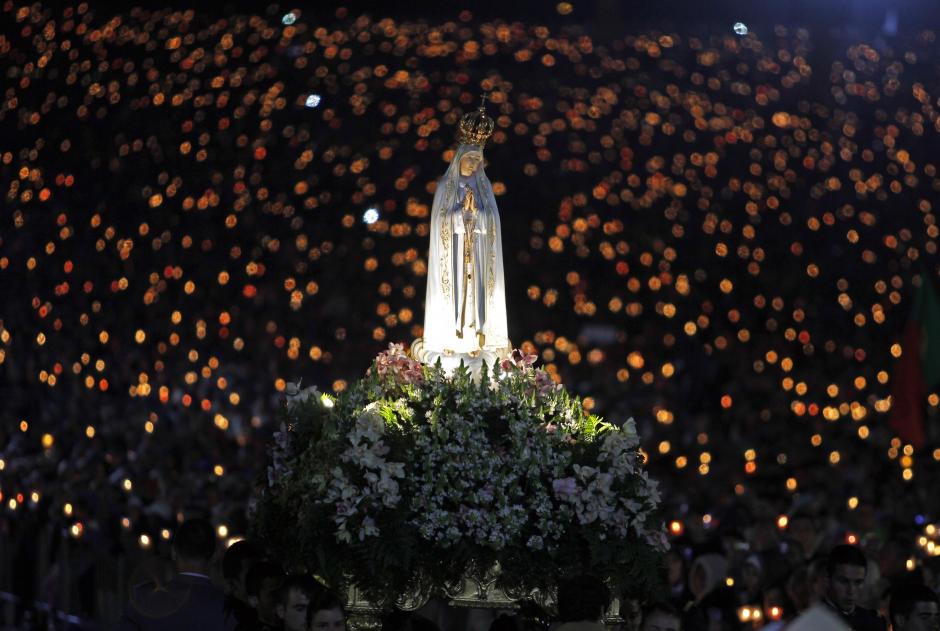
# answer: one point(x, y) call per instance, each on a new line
point(395, 364)
point(518, 360)
point(521, 359)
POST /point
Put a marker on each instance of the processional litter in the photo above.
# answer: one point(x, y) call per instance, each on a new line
point(423, 480)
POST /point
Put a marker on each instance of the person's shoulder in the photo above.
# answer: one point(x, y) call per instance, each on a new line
point(200, 586)
point(581, 626)
point(868, 620)
point(867, 613)
point(198, 581)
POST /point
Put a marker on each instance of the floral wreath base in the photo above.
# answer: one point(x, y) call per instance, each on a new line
point(415, 484)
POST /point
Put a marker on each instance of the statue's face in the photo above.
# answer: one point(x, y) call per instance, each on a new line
point(470, 162)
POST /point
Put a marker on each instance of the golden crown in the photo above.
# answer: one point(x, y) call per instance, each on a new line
point(475, 128)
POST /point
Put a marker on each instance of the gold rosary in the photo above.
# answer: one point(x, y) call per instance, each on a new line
point(469, 205)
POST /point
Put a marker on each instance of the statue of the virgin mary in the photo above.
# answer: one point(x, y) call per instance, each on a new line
point(465, 305)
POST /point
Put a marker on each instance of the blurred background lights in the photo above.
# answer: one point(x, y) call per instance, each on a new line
point(370, 216)
point(376, 146)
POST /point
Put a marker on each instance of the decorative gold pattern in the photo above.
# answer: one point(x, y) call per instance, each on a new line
point(446, 229)
point(491, 269)
point(487, 193)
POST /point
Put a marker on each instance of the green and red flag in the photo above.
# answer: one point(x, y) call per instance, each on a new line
point(918, 369)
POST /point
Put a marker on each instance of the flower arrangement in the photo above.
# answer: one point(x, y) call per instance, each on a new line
point(412, 480)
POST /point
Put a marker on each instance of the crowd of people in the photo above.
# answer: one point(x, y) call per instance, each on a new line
point(718, 234)
point(241, 589)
